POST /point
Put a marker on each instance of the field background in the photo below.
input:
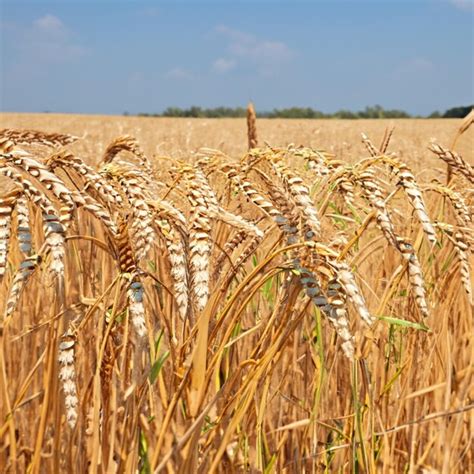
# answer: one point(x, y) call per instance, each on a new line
point(405, 377)
point(177, 137)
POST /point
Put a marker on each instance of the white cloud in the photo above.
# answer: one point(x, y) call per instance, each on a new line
point(46, 40)
point(50, 24)
point(464, 4)
point(179, 73)
point(223, 65)
point(267, 55)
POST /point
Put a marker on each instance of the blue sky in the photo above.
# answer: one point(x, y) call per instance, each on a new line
point(107, 56)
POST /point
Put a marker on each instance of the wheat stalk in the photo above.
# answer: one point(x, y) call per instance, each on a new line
point(251, 126)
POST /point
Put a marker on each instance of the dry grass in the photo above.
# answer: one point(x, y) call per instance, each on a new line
point(175, 308)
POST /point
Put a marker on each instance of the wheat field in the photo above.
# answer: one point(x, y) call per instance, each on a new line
point(173, 301)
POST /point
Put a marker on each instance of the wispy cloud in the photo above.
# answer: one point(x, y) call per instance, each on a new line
point(50, 24)
point(467, 5)
point(179, 73)
point(419, 65)
point(46, 40)
point(223, 65)
point(149, 11)
point(266, 55)
point(414, 69)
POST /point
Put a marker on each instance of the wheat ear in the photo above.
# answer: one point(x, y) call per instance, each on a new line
point(178, 263)
point(131, 145)
point(23, 226)
point(373, 191)
point(36, 137)
point(408, 183)
point(7, 204)
point(200, 244)
point(53, 229)
point(49, 180)
point(455, 161)
point(142, 217)
point(67, 375)
point(415, 275)
point(251, 126)
point(67, 161)
point(297, 191)
point(128, 267)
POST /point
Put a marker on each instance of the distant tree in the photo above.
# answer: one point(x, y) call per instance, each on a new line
point(195, 112)
point(377, 112)
point(173, 112)
point(435, 114)
point(345, 114)
point(458, 112)
point(395, 113)
point(373, 112)
point(295, 112)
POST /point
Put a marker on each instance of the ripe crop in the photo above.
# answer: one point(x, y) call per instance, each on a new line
point(282, 309)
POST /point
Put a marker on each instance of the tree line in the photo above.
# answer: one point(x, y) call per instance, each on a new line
point(373, 112)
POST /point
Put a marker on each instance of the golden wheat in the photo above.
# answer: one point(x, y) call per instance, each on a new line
point(185, 325)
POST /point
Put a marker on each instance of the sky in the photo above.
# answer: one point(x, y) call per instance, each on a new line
point(112, 56)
